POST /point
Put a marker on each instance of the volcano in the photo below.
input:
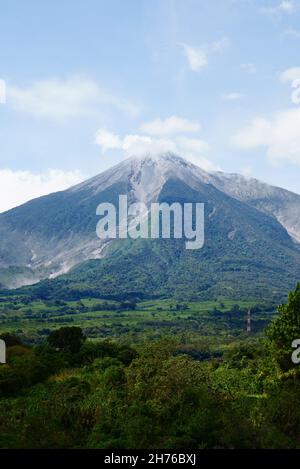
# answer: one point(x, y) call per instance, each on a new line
point(251, 249)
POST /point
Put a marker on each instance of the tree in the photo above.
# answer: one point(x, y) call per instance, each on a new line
point(285, 329)
point(67, 339)
point(10, 339)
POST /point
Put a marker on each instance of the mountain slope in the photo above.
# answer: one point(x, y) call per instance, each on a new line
point(247, 251)
point(246, 254)
point(282, 204)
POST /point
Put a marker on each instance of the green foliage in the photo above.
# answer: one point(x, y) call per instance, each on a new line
point(26, 366)
point(10, 339)
point(92, 350)
point(285, 329)
point(161, 397)
point(169, 392)
point(67, 339)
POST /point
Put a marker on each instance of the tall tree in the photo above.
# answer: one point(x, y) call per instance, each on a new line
point(285, 329)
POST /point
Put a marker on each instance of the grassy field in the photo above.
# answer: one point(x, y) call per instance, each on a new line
point(144, 320)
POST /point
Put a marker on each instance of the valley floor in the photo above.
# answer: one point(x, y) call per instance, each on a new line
point(220, 322)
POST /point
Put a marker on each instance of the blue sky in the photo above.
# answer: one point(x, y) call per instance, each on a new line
point(89, 82)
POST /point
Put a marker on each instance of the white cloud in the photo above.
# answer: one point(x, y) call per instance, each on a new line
point(17, 187)
point(195, 150)
point(197, 57)
point(285, 6)
point(140, 145)
point(220, 45)
point(290, 75)
point(133, 144)
point(249, 68)
point(108, 140)
point(247, 171)
point(280, 136)
point(192, 145)
point(234, 96)
point(292, 32)
point(60, 99)
point(2, 92)
point(169, 126)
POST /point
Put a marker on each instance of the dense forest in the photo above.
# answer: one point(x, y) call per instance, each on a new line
point(74, 392)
